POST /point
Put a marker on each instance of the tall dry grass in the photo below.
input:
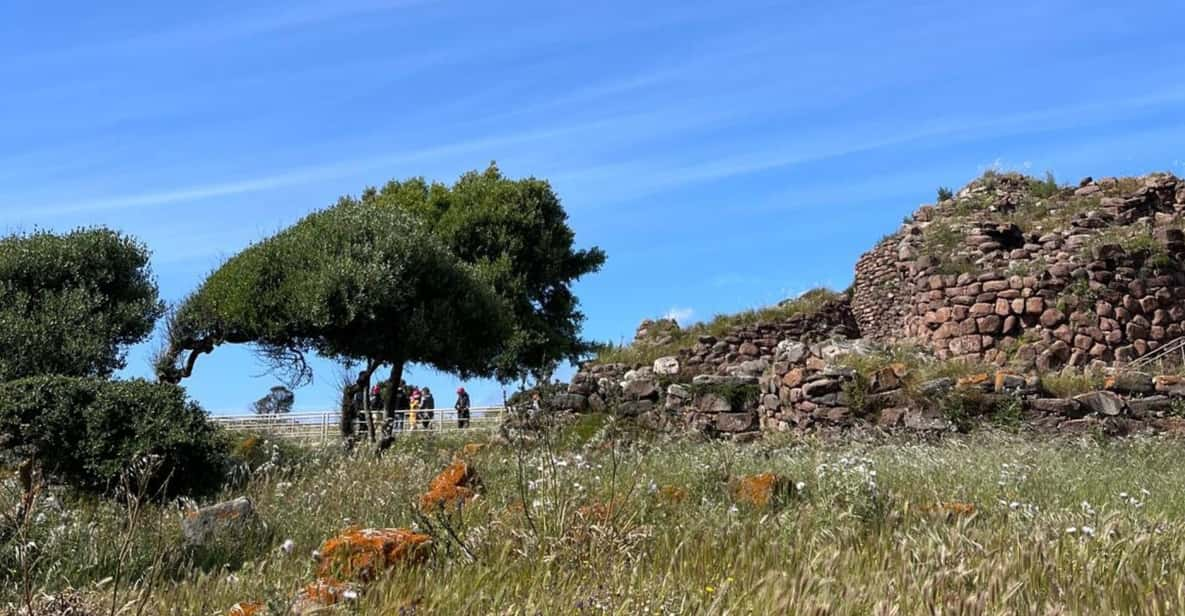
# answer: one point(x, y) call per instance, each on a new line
point(987, 524)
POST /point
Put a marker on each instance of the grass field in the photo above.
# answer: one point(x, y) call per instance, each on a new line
point(994, 523)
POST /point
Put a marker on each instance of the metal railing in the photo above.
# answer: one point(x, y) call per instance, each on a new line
point(1176, 347)
point(325, 427)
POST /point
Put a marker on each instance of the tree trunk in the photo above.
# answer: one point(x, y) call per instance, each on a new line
point(370, 368)
point(389, 409)
point(348, 416)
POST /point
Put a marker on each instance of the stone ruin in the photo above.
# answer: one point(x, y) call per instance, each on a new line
point(1022, 277)
point(1096, 278)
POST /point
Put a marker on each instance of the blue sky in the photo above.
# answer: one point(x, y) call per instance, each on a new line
point(725, 155)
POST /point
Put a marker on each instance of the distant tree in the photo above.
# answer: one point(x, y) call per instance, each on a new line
point(71, 304)
point(278, 401)
point(516, 232)
point(356, 281)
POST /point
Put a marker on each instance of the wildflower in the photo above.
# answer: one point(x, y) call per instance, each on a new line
point(1014, 505)
point(800, 486)
point(288, 546)
point(1070, 530)
point(709, 589)
point(733, 509)
point(1088, 531)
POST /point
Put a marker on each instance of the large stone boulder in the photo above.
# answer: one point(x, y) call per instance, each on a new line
point(574, 402)
point(666, 366)
point(641, 389)
point(736, 422)
point(752, 368)
point(228, 521)
point(1102, 403)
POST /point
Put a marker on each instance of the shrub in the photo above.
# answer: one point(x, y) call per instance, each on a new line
point(1044, 189)
point(1068, 385)
point(87, 432)
point(945, 193)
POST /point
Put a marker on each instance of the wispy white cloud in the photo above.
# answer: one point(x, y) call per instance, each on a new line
point(639, 178)
point(681, 315)
point(294, 177)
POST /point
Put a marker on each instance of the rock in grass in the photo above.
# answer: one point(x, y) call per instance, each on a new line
point(1102, 402)
point(224, 521)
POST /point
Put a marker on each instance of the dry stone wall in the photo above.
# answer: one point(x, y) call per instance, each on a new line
point(1098, 281)
point(1010, 271)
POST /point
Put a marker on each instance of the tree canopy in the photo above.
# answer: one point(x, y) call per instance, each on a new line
point(278, 401)
point(353, 282)
point(71, 304)
point(516, 232)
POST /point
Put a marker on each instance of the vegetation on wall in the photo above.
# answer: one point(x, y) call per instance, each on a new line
point(720, 325)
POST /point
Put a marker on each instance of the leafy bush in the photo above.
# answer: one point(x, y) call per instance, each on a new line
point(70, 304)
point(87, 432)
point(945, 193)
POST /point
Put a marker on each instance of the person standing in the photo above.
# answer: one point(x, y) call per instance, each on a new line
point(400, 404)
point(413, 409)
point(427, 408)
point(462, 408)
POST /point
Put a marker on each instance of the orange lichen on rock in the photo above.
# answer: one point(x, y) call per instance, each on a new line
point(452, 487)
point(954, 508)
point(672, 494)
point(596, 512)
point(760, 490)
point(247, 608)
point(360, 554)
point(471, 449)
point(312, 599)
point(974, 380)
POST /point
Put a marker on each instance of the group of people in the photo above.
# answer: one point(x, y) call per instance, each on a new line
point(412, 407)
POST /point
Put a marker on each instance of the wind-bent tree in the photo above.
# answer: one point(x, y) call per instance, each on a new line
point(355, 282)
point(71, 304)
point(516, 232)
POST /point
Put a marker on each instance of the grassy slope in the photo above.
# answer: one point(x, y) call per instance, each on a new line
point(858, 537)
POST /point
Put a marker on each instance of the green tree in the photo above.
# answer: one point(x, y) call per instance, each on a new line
point(354, 282)
point(278, 401)
point(71, 304)
point(516, 232)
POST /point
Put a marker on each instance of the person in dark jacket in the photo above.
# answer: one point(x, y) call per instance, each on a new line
point(462, 408)
point(427, 408)
point(401, 403)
